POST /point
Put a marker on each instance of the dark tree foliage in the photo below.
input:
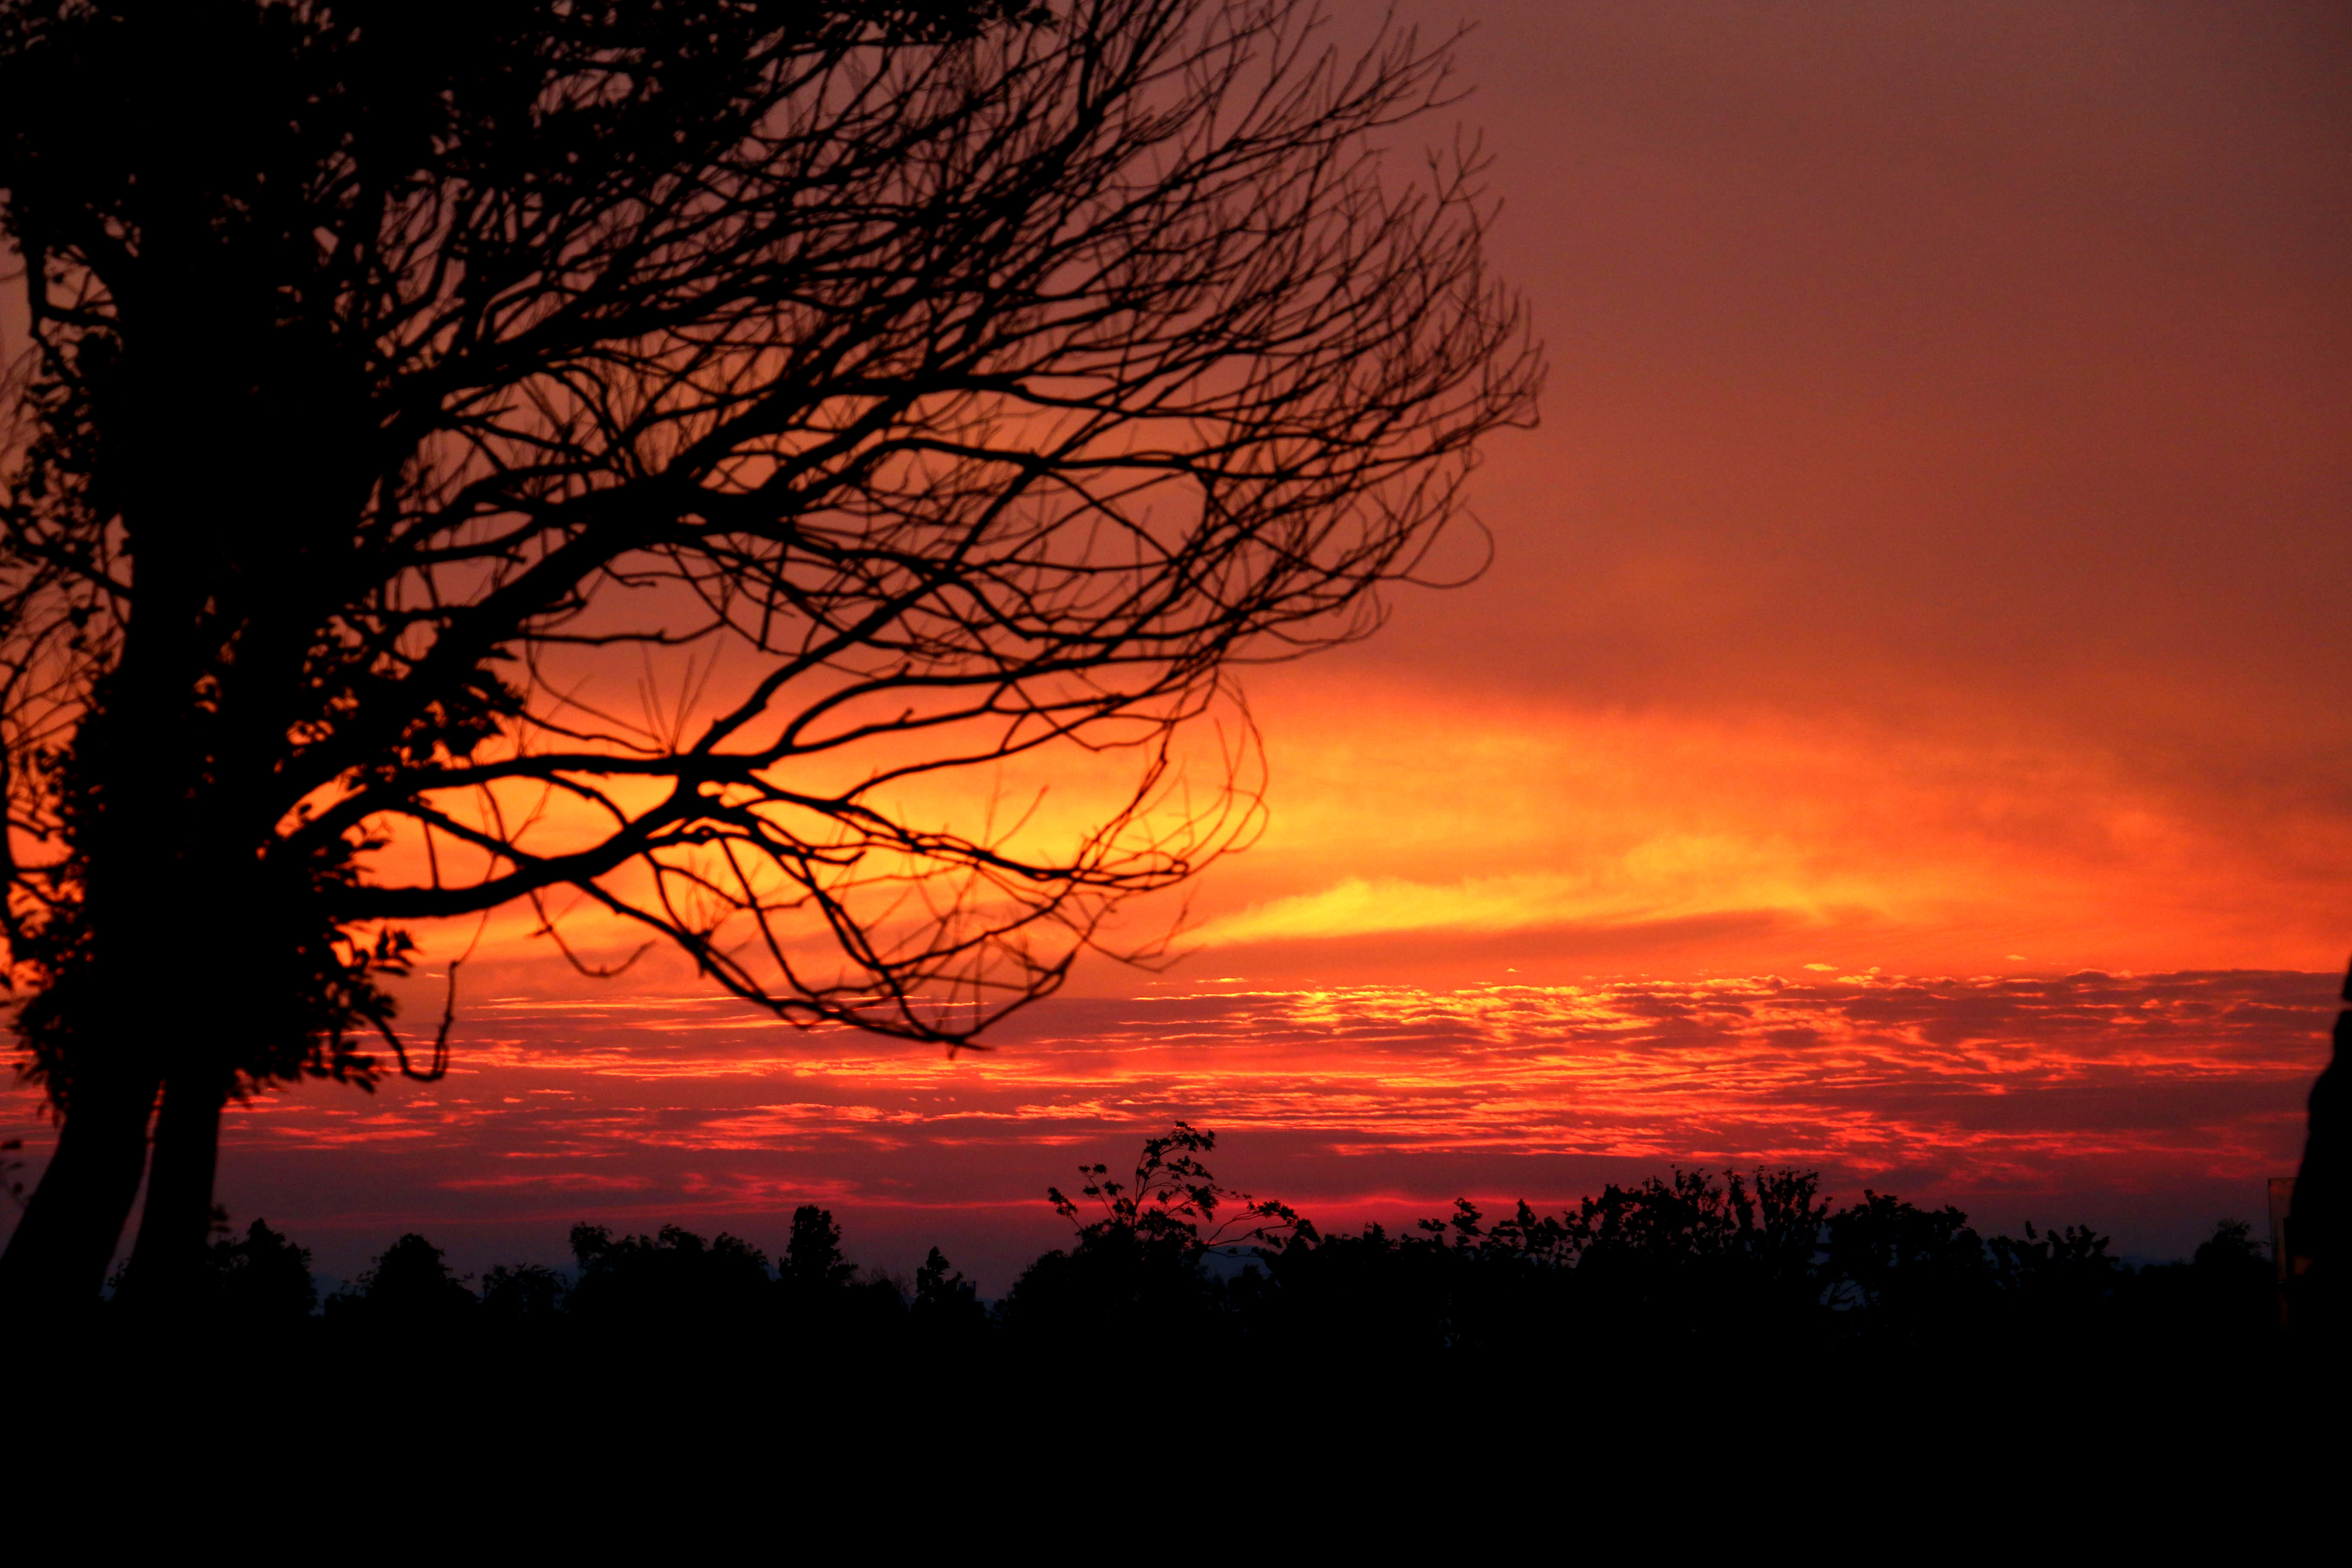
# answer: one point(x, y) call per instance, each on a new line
point(819, 1291)
point(2061, 1276)
point(1674, 1258)
point(621, 454)
point(259, 1281)
point(2232, 1250)
point(1135, 1271)
point(410, 1290)
point(1659, 1247)
point(523, 1295)
point(1673, 1268)
point(945, 1305)
point(1170, 1201)
point(676, 1288)
point(673, 1279)
point(2227, 1293)
point(1904, 1264)
point(1676, 1286)
point(263, 1277)
point(813, 1262)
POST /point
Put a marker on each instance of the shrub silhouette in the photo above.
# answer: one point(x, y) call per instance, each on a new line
point(1136, 1269)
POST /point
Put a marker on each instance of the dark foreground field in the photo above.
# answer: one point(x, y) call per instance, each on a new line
point(1737, 1359)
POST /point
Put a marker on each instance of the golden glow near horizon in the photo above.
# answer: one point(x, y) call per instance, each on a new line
point(1402, 825)
point(1420, 817)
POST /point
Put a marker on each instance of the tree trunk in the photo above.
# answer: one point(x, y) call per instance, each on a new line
point(168, 1259)
point(2315, 1227)
point(137, 765)
point(56, 1263)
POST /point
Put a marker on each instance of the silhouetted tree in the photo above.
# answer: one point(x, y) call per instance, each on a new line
point(822, 1293)
point(409, 1290)
point(263, 1280)
point(1171, 1200)
point(1675, 1256)
point(1135, 1271)
point(2207, 1313)
point(957, 381)
point(2232, 1250)
point(1362, 1299)
point(526, 1294)
point(2055, 1279)
point(669, 1280)
point(1911, 1270)
point(1678, 1284)
point(813, 1260)
point(945, 1305)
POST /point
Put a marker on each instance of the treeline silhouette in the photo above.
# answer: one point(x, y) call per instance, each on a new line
point(1761, 1264)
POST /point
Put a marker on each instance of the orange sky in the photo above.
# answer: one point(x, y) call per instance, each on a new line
point(1932, 561)
point(2144, 1105)
point(1935, 548)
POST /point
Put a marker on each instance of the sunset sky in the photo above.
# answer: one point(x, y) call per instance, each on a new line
point(1928, 584)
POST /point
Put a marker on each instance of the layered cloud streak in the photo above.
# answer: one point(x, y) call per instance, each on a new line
point(2136, 1102)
